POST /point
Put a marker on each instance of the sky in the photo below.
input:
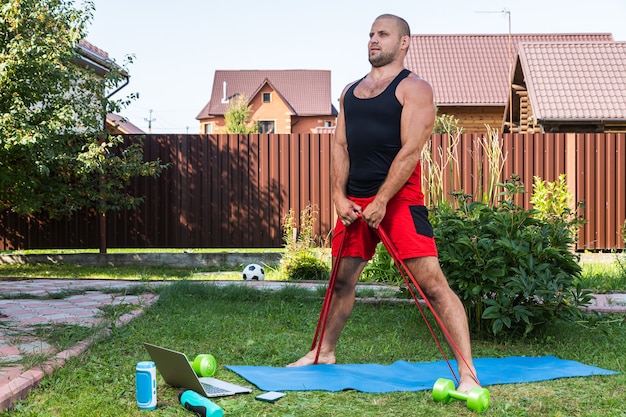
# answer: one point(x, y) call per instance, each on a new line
point(178, 46)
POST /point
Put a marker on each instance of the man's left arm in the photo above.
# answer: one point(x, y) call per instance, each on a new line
point(416, 125)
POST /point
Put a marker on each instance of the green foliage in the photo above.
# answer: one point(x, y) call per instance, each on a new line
point(511, 268)
point(237, 116)
point(382, 268)
point(54, 155)
point(107, 169)
point(300, 261)
point(603, 277)
point(512, 271)
point(305, 266)
point(553, 203)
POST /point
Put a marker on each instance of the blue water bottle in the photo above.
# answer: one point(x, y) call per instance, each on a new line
point(200, 405)
point(145, 379)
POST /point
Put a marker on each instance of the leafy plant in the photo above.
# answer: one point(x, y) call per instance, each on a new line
point(382, 268)
point(512, 270)
point(437, 162)
point(553, 203)
point(300, 260)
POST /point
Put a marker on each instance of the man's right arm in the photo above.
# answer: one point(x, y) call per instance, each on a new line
point(340, 167)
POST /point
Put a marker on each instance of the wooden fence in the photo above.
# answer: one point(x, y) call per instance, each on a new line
point(232, 191)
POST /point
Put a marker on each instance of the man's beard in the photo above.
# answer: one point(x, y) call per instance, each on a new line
point(383, 58)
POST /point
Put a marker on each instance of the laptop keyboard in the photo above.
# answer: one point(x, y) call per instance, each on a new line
point(210, 389)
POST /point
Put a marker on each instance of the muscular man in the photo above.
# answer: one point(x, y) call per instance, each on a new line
point(384, 121)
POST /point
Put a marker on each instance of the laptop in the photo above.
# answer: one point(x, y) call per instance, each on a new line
point(177, 372)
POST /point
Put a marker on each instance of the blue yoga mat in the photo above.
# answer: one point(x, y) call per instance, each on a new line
point(405, 376)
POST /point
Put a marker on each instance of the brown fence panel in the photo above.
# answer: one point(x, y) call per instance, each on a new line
point(226, 191)
point(234, 190)
point(594, 165)
point(525, 155)
point(601, 186)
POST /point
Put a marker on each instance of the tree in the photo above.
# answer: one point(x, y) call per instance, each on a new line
point(55, 157)
point(238, 116)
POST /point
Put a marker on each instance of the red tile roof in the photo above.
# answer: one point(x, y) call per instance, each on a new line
point(474, 69)
point(83, 44)
point(91, 56)
point(307, 92)
point(575, 80)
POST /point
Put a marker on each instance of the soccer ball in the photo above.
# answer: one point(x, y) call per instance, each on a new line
point(253, 272)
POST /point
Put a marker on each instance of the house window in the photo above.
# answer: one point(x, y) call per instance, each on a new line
point(267, 97)
point(266, 127)
point(327, 123)
point(208, 128)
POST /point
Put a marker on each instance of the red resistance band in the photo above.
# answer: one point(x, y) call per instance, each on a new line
point(408, 279)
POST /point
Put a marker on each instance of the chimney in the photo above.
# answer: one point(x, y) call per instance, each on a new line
point(224, 96)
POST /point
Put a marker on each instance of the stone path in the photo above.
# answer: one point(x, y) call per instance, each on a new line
point(30, 304)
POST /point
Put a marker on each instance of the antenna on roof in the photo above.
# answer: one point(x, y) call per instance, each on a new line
point(508, 13)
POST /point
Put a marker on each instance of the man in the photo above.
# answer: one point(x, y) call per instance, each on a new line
point(384, 121)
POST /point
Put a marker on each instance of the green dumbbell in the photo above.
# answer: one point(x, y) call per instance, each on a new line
point(477, 399)
point(204, 365)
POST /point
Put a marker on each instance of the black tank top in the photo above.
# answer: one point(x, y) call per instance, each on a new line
point(373, 136)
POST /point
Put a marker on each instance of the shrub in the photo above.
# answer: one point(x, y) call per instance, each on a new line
point(553, 203)
point(305, 266)
point(512, 270)
point(382, 268)
point(301, 261)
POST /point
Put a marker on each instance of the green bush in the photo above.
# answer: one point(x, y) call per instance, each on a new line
point(301, 260)
point(512, 271)
point(553, 203)
point(512, 268)
point(382, 268)
point(305, 266)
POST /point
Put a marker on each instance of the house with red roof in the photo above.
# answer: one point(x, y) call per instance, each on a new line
point(471, 76)
point(569, 87)
point(282, 101)
point(97, 60)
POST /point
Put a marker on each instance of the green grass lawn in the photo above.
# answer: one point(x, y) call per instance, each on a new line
point(597, 277)
point(605, 277)
point(243, 326)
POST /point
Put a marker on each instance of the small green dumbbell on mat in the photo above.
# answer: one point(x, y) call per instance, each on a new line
point(477, 399)
point(204, 365)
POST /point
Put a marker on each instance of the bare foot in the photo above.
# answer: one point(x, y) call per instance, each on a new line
point(309, 359)
point(466, 386)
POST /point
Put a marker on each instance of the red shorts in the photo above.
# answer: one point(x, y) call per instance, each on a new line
point(405, 222)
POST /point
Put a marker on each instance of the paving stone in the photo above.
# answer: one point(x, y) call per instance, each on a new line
point(38, 346)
